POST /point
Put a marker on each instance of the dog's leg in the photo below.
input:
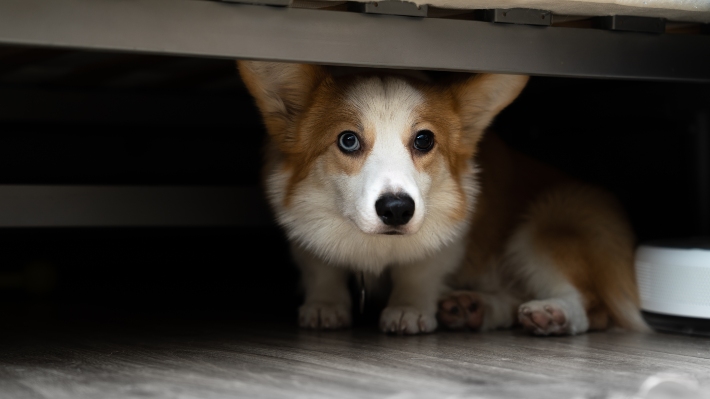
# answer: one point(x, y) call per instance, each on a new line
point(558, 307)
point(478, 311)
point(328, 303)
point(574, 257)
point(416, 288)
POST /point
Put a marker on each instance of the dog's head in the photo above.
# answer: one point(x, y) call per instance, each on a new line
point(392, 151)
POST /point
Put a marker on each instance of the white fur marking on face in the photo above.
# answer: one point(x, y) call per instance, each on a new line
point(333, 216)
point(387, 106)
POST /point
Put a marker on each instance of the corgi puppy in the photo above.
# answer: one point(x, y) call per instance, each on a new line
point(389, 173)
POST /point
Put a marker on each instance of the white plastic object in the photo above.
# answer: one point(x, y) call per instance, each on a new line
point(674, 277)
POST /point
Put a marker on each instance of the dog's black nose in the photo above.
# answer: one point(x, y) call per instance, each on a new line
point(395, 209)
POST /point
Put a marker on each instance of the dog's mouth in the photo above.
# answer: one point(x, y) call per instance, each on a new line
point(393, 233)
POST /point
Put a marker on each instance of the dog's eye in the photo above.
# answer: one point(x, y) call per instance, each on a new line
point(348, 142)
point(424, 140)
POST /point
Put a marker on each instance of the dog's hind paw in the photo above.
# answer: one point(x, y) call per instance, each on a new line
point(406, 320)
point(321, 315)
point(543, 318)
point(461, 309)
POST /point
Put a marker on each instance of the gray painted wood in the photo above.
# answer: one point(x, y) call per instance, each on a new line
point(214, 29)
point(279, 361)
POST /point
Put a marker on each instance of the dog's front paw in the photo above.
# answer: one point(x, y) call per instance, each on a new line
point(407, 320)
point(461, 309)
point(543, 318)
point(328, 316)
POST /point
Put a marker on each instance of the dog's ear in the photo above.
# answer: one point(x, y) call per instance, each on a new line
point(481, 97)
point(282, 91)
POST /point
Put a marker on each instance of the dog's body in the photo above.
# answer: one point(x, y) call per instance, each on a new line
point(391, 174)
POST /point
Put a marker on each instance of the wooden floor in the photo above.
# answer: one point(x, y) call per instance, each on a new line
point(203, 360)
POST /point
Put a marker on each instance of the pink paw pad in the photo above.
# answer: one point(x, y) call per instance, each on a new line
point(543, 319)
point(461, 310)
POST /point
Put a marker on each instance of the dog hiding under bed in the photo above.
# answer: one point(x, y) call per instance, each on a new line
point(391, 173)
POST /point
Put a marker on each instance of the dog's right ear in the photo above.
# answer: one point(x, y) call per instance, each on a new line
point(482, 97)
point(282, 92)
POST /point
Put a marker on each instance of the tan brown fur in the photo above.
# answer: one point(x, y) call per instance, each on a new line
point(460, 113)
point(582, 229)
point(578, 230)
point(317, 113)
point(509, 181)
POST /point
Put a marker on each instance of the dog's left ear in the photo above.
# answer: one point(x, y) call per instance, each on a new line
point(483, 96)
